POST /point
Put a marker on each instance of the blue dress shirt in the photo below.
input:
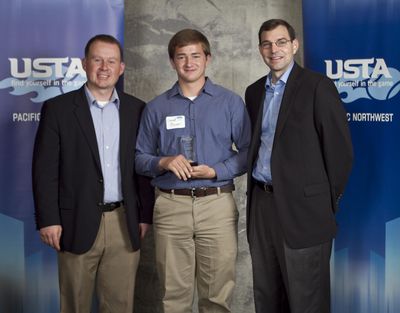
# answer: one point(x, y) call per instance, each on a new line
point(106, 124)
point(216, 118)
point(272, 104)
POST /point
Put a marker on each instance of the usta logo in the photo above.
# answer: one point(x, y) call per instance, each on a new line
point(46, 67)
point(364, 79)
point(43, 78)
point(351, 69)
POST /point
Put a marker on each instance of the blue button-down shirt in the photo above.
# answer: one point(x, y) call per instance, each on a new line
point(106, 124)
point(216, 119)
point(272, 104)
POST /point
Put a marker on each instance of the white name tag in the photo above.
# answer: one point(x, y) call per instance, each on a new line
point(174, 122)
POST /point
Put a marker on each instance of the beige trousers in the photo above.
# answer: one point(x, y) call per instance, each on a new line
point(110, 266)
point(196, 239)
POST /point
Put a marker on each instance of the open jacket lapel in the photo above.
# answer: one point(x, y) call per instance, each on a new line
point(256, 137)
point(288, 99)
point(85, 121)
point(124, 124)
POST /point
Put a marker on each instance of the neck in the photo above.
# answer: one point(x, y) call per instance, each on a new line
point(275, 77)
point(101, 94)
point(191, 89)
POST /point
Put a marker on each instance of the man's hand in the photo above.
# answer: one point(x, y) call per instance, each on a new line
point(203, 171)
point(178, 165)
point(51, 235)
point(143, 228)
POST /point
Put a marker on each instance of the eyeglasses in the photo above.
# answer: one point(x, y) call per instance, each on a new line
point(280, 43)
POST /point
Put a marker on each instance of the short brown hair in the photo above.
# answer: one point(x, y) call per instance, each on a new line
point(104, 38)
point(274, 23)
point(187, 37)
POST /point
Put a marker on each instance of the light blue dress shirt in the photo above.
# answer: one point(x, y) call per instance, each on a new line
point(106, 124)
point(272, 104)
point(216, 119)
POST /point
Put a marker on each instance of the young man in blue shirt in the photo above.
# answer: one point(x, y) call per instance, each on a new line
point(195, 216)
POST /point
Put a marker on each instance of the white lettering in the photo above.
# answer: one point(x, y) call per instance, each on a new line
point(381, 69)
point(75, 68)
point(339, 69)
point(46, 67)
point(14, 68)
point(350, 69)
point(371, 117)
point(25, 117)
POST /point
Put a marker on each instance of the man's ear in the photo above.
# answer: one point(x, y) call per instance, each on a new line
point(171, 61)
point(208, 59)
point(295, 45)
point(122, 68)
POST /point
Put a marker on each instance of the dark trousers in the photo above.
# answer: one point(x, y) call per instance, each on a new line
point(285, 280)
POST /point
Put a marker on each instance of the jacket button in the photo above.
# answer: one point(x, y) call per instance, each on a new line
point(100, 181)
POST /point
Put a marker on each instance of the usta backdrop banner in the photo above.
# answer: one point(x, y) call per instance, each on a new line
point(356, 44)
point(43, 42)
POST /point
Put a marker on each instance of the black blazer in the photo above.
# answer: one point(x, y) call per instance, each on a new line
point(311, 156)
point(67, 175)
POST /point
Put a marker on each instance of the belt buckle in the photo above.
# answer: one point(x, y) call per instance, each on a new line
point(268, 188)
point(193, 192)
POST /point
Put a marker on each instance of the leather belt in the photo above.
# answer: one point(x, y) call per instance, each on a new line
point(110, 206)
point(200, 192)
point(264, 186)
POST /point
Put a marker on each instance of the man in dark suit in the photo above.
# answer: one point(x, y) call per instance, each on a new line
point(85, 187)
point(298, 165)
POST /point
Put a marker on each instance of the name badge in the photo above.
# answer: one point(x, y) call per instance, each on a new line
point(174, 122)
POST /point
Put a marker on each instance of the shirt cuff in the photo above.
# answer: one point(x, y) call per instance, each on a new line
point(221, 171)
point(155, 169)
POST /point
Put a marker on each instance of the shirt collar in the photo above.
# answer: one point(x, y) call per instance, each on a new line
point(208, 88)
point(283, 79)
point(92, 100)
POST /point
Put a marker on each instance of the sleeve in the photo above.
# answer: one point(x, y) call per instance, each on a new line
point(146, 198)
point(332, 125)
point(241, 132)
point(146, 158)
point(45, 174)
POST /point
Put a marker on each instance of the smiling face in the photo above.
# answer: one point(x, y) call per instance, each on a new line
point(277, 58)
point(103, 66)
point(190, 63)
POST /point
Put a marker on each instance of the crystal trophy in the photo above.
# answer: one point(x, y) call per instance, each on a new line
point(188, 149)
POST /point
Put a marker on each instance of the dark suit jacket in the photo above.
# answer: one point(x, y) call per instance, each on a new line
point(311, 156)
point(67, 176)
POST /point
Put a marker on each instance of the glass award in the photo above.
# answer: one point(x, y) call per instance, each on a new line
point(188, 149)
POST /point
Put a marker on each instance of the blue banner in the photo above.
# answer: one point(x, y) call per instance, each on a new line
point(43, 42)
point(356, 44)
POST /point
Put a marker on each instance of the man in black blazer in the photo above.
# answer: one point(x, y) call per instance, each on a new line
point(298, 165)
point(87, 199)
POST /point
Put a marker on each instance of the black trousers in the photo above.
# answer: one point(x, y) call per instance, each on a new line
point(285, 280)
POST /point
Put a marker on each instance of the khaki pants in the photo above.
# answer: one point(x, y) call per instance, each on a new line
point(110, 266)
point(196, 239)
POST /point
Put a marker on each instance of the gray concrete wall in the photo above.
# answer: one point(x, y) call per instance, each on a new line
point(231, 27)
